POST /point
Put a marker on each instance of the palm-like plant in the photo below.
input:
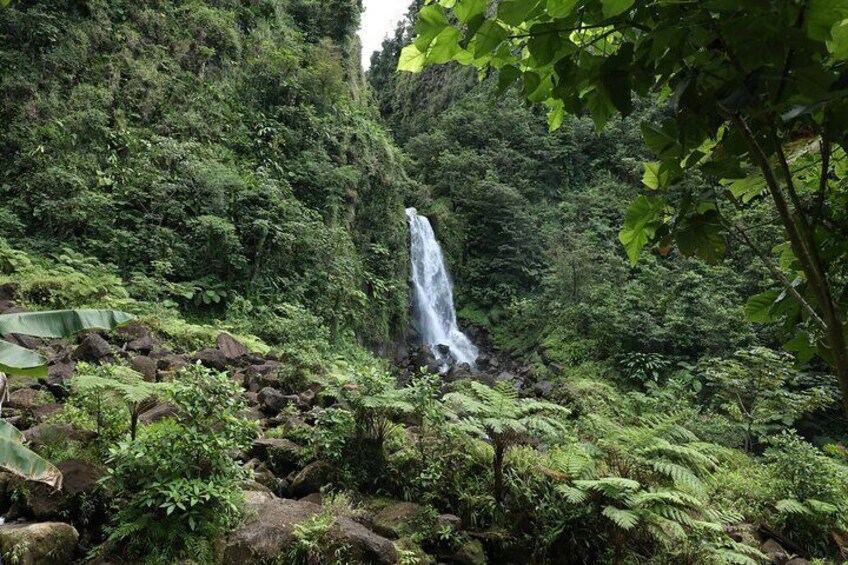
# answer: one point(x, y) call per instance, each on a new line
point(647, 480)
point(503, 418)
point(16, 360)
point(120, 385)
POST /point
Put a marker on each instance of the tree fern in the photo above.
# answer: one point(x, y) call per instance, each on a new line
point(647, 481)
point(120, 385)
point(500, 416)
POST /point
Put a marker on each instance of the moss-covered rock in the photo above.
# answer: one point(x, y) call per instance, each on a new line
point(46, 543)
point(399, 519)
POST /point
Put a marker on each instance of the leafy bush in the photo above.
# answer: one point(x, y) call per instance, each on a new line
point(811, 491)
point(178, 484)
point(761, 393)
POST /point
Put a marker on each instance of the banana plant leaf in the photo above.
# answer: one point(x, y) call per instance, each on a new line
point(19, 460)
point(17, 360)
point(61, 323)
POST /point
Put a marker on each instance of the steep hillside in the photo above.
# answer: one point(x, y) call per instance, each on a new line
point(215, 151)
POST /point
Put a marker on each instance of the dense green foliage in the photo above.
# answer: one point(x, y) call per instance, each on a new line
point(222, 170)
point(209, 151)
point(759, 111)
point(176, 500)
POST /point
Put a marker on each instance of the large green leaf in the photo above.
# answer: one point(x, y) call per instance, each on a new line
point(19, 460)
point(466, 10)
point(61, 323)
point(514, 12)
point(640, 225)
point(822, 15)
point(758, 308)
point(488, 38)
point(17, 360)
point(431, 22)
point(561, 8)
point(412, 59)
point(616, 7)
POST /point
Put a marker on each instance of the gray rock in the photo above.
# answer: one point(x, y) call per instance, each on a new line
point(26, 341)
point(78, 477)
point(448, 521)
point(93, 348)
point(134, 330)
point(145, 365)
point(212, 358)
point(543, 389)
point(9, 291)
point(143, 344)
point(45, 543)
point(43, 434)
point(271, 400)
point(170, 363)
point(282, 454)
point(157, 413)
point(58, 376)
point(399, 519)
point(505, 377)
point(230, 347)
point(423, 357)
point(471, 553)
point(312, 477)
point(775, 552)
point(269, 529)
point(43, 412)
point(26, 399)
point(261, 375)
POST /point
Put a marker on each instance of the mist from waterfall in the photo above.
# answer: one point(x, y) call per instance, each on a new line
point(434, 315)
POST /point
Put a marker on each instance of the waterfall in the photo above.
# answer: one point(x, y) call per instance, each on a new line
point(433, 311)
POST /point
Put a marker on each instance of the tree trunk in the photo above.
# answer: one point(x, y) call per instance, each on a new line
point(498, 464)
point(133, 424)
point(804, 246)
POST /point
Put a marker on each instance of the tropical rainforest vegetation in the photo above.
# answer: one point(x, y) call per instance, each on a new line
point(209, 352)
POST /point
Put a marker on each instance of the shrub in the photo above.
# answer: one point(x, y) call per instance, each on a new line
point(811, 492)
point(178, 484)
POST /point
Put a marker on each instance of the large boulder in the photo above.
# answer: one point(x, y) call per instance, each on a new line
point(46, 543)
point(282, 454)
point(775, 552)
point(470, 553)
point(43, 434)
point(312, 477)
point(271, 400)
point(146, 366)
point(59, 375)
point(268, 533)
point(143, 345)
point(424, 357)
point(261, 375)
point(78, 477)
point(92, 348)
point(399, 519)
point(158, 413)
point(27, 341)
point(231, 348)
point(27, 399)
point(212, 358)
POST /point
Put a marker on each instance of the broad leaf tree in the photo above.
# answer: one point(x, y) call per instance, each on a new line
point(759, 94)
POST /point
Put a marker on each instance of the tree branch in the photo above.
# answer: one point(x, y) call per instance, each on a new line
point(778, 274)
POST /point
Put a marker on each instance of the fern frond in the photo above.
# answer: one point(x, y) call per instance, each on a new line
point(624, 519)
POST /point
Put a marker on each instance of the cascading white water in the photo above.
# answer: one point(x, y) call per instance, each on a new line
point(433, 309)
